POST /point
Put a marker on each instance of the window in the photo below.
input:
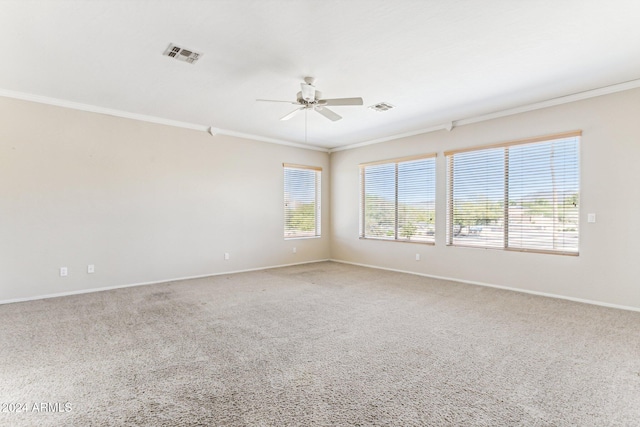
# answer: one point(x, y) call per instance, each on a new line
point(521, 195)
point(301, 201)
point(398, 199)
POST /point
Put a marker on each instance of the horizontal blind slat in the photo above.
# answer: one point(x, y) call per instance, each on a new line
point(301, 201)
point(398, 199)
point(542, 185)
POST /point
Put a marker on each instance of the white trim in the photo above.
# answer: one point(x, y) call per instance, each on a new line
point(607, 90)
point(470, 282)
point(108, 288)
point(620, 87)
point(100, 110)
point(506, 288)
point(392, 137)
point(270, 140)
point(150, 119)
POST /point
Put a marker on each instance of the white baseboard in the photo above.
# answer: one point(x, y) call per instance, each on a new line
point(470, 282)
point(507, 288)
point(108, 288)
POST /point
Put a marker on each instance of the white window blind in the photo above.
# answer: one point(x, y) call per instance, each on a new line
point(301, 201)
point(521, 195)
point(398, 199)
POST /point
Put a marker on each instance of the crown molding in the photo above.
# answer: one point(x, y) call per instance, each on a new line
point(100, 110)
point(270, 140)
point(150, 119)
point(389, 138)
point(620, 87)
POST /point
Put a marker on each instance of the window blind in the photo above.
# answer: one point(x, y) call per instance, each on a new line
point(398, 199)
point(302, 185)
point(521, 195)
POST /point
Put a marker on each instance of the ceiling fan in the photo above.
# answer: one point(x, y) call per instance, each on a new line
point(310, 99)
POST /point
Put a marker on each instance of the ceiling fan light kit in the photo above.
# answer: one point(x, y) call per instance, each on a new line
point(308, 92)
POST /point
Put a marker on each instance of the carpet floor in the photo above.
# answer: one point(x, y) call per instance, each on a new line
point(322, 344)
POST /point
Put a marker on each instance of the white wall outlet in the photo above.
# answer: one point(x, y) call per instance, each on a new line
point(417, 257)
point(295, 250)
point(64, 272)
point(91, 268)
point(591, 217)
point(226, 255)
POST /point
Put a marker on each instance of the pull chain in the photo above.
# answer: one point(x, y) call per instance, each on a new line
point(306, 111)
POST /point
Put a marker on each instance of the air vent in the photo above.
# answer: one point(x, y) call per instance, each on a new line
point(381, 106)
point(182, 54)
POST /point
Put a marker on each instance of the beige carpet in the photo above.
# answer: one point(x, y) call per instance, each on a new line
point(321, 344)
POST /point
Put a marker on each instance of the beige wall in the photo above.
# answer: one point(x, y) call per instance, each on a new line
point(142, 202)
point(147, 203)
point(608, 268)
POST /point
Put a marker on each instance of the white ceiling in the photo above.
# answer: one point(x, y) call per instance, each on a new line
point(436, 61)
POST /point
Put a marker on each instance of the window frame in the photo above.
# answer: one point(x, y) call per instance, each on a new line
point(449, 157)
point(395, 162)
point(317, 232)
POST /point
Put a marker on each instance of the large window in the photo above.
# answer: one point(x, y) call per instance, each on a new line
point(398, 199)
point(301, 201)
point(521, 195)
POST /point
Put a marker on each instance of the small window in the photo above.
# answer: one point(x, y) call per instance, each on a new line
point(398, 199)
point(521, 195)
point(301, 201)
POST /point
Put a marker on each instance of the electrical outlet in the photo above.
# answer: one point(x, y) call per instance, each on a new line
point(226, 255)
point(64, 272)
point(417, 257)
point(591, 217)
point(91, 269)
point(295, 250)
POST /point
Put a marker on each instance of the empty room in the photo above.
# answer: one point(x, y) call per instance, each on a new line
point(320, 213)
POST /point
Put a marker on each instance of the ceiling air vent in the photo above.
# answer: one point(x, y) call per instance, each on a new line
point(182, 54)
point(381, 106)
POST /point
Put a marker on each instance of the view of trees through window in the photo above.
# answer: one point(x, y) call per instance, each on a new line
point(521, 196)
point(398, 200)
point(301, 201)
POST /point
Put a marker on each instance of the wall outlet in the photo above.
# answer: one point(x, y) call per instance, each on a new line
point(295, 250)
point(417, 257)
point(591, 217)
point(91, 269)
point(64, 272)
point(226, 255)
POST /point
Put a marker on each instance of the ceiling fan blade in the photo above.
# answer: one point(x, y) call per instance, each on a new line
point(341, 101)
point(274, 100)
point(328, 113)
point(293, 113)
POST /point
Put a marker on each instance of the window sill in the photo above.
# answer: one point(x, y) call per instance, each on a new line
point(534, 251)
point(302, 237)
point(398, 241)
